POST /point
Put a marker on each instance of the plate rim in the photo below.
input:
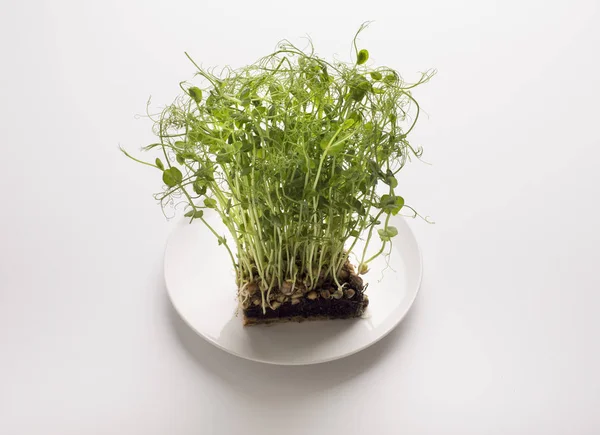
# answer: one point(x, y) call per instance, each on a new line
point(292, 364)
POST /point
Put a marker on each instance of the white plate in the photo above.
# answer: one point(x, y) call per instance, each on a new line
point(200, 283)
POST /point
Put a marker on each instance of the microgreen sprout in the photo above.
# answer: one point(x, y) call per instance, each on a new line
point(289, 152)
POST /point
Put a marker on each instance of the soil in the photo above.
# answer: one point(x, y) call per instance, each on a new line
point(316, 309)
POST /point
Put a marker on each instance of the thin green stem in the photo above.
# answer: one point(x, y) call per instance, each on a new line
point(289, 152)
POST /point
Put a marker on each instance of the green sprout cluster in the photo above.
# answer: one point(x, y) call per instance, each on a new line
point(289, 152)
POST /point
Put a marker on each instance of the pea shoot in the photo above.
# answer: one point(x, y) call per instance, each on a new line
point(289, 151)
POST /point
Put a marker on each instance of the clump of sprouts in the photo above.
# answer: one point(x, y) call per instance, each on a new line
point(289, 152)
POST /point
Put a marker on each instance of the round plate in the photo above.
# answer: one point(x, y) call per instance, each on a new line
point(201, 284)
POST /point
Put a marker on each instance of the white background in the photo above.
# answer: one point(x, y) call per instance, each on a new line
point(504, 337)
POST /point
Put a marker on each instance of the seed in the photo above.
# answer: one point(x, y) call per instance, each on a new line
point(338, 294)
point(362, 269)
point(312, 295)
point(281, 298)
point(356, 281)
point(295, 301)
point(252, 288)
point(287, 288)
point(349, 293)
point(275, 305)
point(297, 296)
point(325, 294)
point(256, 302)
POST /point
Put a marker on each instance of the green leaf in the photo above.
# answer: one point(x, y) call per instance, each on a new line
point(336, 147)
point(391, 231)
point(246, 146)
point(325, 141)
point(390, 180)
point(359, 87)
point(357, 206)
point(245, 97)
point(383, 235)
point(399, 205)
point(348, 123)
point(387, 233)
point(180, 159)
point(159, 164)
point(210, 203)
point(179, 144)
point(391, 204)
point(375, 170)
point(390, 78)
point(376, 75)
point(172, 176)
point(332, 147)
point(199, 186)
point(189, 155)
point(354, 233)
point(356, 116)
point(223, 158)
point(194, 214)
point(245, 93)
point(205, 173)
point(363, 56)
point(195, 93)
point(259, 112)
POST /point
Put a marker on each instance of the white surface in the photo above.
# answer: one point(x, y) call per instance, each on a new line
point(504, 337)
point(201, 285)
